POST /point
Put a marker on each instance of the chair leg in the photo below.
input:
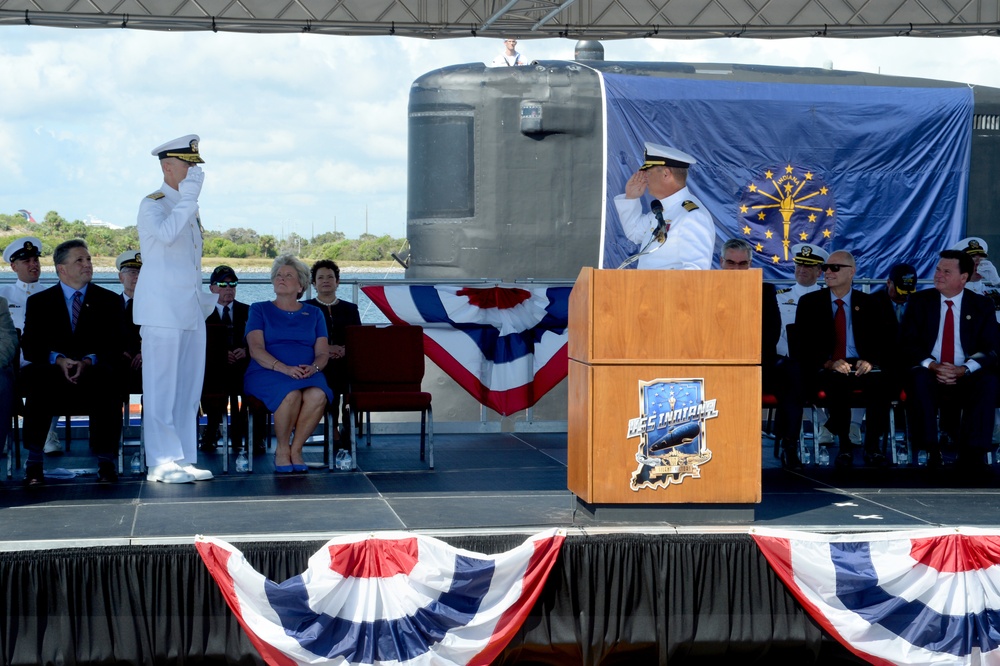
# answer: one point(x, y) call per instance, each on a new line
point(423, 430)
point(368, 427)
point(225, 435)
point(430, 437)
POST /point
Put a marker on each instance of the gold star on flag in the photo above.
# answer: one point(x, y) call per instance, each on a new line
point(774, 258)
point(803, 236)
point(746, 230)
point(809, 176)
point(768, 234)
point(769, 174)
point(743, 209)
point(822, 190)
point(812, 217)
point(760, 215)
point(752, 187)
point(760, 248)
point(829, 212)
point(826, 233)
point(788, 169)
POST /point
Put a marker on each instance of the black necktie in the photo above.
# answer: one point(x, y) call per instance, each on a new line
point(227, 321)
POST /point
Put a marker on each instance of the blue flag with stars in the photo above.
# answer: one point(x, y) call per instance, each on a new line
point(882, 172)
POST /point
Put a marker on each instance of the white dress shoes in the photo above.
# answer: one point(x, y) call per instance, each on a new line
point(198, 474)
point(169, 472)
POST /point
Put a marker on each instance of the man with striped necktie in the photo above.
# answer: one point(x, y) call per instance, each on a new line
point(73, 360)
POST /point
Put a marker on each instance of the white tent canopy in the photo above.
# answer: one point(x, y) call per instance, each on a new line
point(574, 19)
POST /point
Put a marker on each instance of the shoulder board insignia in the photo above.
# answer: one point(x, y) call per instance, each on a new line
point(784, 291)
point(690, 206)
point(156, 195)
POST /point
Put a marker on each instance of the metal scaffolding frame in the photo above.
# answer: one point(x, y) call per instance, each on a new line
point(526, 19)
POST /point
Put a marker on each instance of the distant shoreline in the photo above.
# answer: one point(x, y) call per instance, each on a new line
point(105, 265)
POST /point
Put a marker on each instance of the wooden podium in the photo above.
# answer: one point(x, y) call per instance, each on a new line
point(628, 328)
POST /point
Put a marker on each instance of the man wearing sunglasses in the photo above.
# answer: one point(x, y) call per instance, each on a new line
point(129, 263)
point(226, 359)
point(951, 341)
point(843, 337)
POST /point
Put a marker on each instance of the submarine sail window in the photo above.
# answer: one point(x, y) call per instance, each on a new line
point(443, 184)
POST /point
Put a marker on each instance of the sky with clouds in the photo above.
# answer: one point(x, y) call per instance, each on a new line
point(300, 133)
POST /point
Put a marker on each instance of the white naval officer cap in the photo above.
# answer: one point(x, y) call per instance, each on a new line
point(657, 155)
point(808, 254)
point(129, 259)
point(183, 148)
point(23, 248)
point(971, 246)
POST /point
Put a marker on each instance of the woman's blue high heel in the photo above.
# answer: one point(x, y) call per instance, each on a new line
point(300, 468)
point(282, 469)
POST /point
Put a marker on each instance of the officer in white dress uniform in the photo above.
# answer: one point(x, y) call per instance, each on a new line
point(985, 280)
point(23, 256)
point(807, 259)
point(171, 306)
point(687, 240)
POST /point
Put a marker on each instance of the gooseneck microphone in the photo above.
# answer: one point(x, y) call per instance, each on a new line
point(659, 234)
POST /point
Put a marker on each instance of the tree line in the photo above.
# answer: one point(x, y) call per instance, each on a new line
point(238, 243)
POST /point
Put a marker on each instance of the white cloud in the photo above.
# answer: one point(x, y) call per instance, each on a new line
point(299, 129)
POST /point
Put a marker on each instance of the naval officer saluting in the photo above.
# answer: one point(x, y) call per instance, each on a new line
point(686, 239)
point(171, 306)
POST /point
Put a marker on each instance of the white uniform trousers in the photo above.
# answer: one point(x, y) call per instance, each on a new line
point(173, 369)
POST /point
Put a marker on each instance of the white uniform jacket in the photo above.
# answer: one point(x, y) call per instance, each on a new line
point(169, 292)
point(17, 300)
point(788, 301)
point(691, 241)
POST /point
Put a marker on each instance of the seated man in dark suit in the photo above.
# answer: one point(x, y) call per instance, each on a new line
point(69, 339)
point(226, 361)
point(843, 340)
point(902, 282)
point(950, 339)
point(129, 263)
point(779, 374)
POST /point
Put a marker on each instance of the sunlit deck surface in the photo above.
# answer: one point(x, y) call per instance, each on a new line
point(482, 483)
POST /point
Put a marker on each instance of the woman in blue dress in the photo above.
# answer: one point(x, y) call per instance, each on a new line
point(288, 345)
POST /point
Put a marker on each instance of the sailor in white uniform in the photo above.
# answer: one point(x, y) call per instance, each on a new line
point(23, 256)
point(686, 238)
point(807, 259)
point(986, 280)
point(171, 306)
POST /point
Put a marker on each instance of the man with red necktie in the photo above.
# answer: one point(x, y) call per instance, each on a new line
point(951, 339)
point(842, 339)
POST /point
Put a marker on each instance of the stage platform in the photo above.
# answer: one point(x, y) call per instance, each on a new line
point(96, 573)
point(483, 483)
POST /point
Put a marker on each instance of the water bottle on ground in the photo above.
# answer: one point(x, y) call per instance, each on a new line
point(902, 457)
point(824, 457)
point(343, 460)
point(922, 458)
point(806, 456)
point(242, 463)
point(136, 464)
